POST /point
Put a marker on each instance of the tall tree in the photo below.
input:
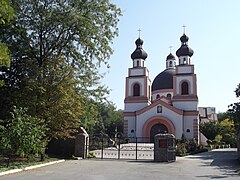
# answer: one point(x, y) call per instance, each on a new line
point(111, 119)
point(81, 31)
point(222, 116)
point(234, 109)
point(57, 47)
point(210, 129)
point(6, 14)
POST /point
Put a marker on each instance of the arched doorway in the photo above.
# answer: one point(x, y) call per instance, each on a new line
point(156, 120)
point(156, 129)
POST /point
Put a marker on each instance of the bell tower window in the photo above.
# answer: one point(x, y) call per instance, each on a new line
point(138, 64)
point(136, 89)
point(184, 61)
point(184, 88)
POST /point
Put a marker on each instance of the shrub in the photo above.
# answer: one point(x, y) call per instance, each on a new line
point(23, 135)
point(181, 150)
point(91, 155)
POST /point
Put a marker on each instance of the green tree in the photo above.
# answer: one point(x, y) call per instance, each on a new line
point(234, 110)
point(220, 132)
point(111, 120)
point(228, 132)
point(210, 130)
point(53, 98)
point(103, 118)
point(79, 31)
point(6, 11)
point(222, 116)
point(23, 134)
point(6, 14)
point(217, 140)
point(57, 48)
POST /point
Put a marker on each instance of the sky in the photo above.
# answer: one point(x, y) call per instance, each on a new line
point(213, 28)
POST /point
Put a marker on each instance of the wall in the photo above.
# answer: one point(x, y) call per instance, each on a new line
point(169, 114)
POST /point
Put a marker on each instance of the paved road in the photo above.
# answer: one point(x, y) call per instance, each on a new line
point(218, 164)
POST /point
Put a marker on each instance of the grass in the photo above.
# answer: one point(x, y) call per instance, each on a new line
point(16, 162)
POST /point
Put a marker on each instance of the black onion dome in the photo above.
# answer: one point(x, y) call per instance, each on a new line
point(170, 56)
point(139, 53)
point(163, 80)
point(184, 38)
point(184, 50)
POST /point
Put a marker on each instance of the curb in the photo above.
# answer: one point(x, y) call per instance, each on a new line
point(30, 167)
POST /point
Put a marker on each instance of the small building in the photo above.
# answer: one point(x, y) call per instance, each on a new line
point(207, 114)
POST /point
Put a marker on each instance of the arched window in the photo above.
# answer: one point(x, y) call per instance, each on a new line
point(169, 96)
point(185, 88)
point(184, 61)
point(138, 64)
point(170, 64)
point(158, 96)
point(136, 90)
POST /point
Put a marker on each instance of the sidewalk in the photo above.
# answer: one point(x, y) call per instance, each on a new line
point(217, 164)
point(30, 167)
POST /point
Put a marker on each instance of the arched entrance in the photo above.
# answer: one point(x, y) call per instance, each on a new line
point(156, 129)
point(157, 124)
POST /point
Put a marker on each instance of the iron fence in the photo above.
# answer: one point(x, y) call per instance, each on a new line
point(121, 147)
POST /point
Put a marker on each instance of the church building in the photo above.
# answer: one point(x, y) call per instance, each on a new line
point(169, 104)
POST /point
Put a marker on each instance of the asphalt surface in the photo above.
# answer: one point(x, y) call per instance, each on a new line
point(217, 164)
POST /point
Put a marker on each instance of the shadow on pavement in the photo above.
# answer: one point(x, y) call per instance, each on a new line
point(223, 159)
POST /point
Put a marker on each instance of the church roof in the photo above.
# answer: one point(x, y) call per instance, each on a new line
point(170, 56)
point(164, 80)
point(184, 50)
point(139, 53)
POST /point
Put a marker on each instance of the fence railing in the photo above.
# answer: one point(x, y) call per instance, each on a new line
point(121, 147)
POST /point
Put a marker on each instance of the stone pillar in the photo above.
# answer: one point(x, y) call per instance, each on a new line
point(164, 148)
point(81, 144)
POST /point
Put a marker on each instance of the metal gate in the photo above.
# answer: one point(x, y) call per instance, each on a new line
point(121, 148)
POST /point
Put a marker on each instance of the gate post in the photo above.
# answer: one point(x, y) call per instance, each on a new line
point(81, 144)
point(136, 147)
point(102, 148)
point(119, 142)
point(238, 144)
point(164, 148)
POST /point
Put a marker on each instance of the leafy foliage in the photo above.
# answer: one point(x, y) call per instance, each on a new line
point(6, 11)
point(56, 50)
point(220, 132)
point(23, 135)
point(228, 132)
point(222, 116)
point(6, 14)
point(4, 56)
point(209, 130)
point(108, 120)
point(234, 110)
point(187, 146)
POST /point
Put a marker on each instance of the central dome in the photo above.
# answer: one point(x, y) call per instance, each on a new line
point(164, 80)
